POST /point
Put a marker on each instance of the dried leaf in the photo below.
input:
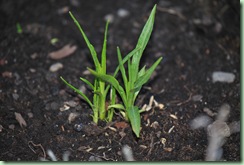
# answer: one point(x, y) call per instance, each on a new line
point(63, 52)
point(121, 124)
point(20, 119)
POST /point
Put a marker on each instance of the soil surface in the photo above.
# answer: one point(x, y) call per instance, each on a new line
point(195, 38)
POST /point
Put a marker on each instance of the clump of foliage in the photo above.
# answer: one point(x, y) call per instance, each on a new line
point(133, 79)
point(99, 88)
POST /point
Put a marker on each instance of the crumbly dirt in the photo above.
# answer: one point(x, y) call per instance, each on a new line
point(195, 38)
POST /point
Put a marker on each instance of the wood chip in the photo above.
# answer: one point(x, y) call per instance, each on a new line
point(173, 116)
point(1, 128)
point(161, 106)
point(151, 101)
point(20, 119)
point(64, 108)
point(168, 149)
point(112, 129)
point(171, 129)
point(163, 141)
point(154, 125)
point(209, 112)
point(143, 146)
point(101, 147)
point(63, 52)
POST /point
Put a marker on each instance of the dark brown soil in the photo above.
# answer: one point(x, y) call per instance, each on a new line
point(195, 38)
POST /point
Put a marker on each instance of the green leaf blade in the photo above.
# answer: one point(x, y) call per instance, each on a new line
point(104, 49)
point(116, 106)
point(89, 45)
point(111, 80)
point(143, 40)
point(146, 76)
point(122, 68)
point(135, 120)
point(126, 58)
point(77, 91)
point(87, 82)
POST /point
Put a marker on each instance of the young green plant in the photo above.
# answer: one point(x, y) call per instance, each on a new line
point(134, 78)
point(100, 89)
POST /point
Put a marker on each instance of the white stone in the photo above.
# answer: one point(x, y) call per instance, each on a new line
point(123, 13)
point(55, 67)
point(200, 122)
point(225, 77)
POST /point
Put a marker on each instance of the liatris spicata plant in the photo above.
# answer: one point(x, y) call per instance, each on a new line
point(134, 78)
point(99, 88)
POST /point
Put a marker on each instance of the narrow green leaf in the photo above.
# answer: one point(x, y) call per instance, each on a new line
point(121, 67)
point(146, 76)
point(137, 90)
point(89, 45)
point(77, 91)
point(111, 80)
point(103, 57)
point(142, 71)
point(142, 41)
point(19, 28)
point(117, 106)
point(147, 30)
point(135, 120)
point(130, 71)
point(126, 58)
point(87, 82)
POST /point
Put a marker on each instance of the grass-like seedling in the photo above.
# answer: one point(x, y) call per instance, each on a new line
point(134, 78)
point(19, 28)
point(99, 88)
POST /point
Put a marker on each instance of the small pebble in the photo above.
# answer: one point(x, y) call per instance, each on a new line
point(1, 128)
point(75, 3)
point(72, 117)
point(223, 112)
point(200, 121)
point(78, 127)
point(218, 129)
point(32, 70)
point(55, 67)
point(34, 56)
point(127, 153)
point(15, 96)
point(224, 77)
point(71, 103)
point(54, 106)
point(94, 159)
point(154, 125)
point(11, 126)
point(158, 134)
point(30, 115)
point(235, 126)
point(197, 98)
point(123, 13)
point(7, 74)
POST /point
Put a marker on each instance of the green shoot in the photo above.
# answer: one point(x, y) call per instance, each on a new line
point(134, 78)
point(19, 28)
point(99, 87)
point(53, 41)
